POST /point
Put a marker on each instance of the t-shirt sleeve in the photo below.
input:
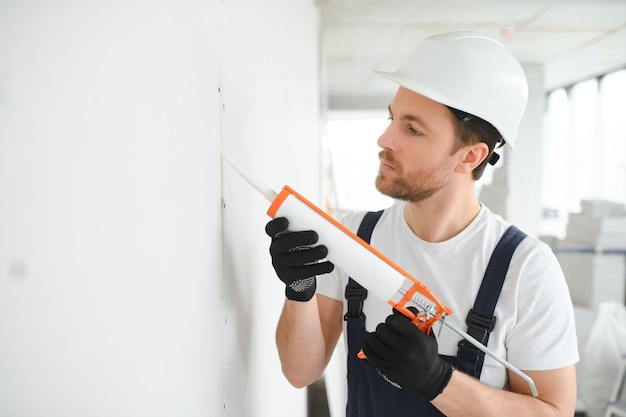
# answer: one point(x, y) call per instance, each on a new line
point(544, 335)
point(330, 286)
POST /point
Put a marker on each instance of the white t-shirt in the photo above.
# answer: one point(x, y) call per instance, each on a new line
point(534, 315)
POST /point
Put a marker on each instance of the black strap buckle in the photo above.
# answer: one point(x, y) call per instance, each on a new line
point(479, 326)
point(355, 297)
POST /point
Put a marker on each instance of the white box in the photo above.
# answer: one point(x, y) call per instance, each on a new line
point(597, 225)
point(602, 208)
point(593, 278)
point(600, 232)
point(600, 243)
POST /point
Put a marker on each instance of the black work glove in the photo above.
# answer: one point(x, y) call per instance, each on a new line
point(295, 260)
point(406, 357)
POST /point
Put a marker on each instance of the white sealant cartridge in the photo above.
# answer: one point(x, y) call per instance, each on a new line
point(385, 280)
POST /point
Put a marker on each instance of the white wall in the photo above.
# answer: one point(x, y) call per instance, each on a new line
point(125, 288)
point(271, 123)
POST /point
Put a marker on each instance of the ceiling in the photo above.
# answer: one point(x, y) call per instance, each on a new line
point(572, 39)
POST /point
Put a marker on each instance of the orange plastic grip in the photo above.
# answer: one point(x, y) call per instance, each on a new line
point(420, 319)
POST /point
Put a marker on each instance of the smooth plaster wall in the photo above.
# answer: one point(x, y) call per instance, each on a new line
point(134, 274)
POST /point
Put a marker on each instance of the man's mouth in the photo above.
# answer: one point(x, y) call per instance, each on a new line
point(385, 166)
point(386, 163)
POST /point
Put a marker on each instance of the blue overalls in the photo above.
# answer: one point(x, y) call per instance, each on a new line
point(369, 395)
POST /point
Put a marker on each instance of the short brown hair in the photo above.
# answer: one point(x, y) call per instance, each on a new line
point(470, 130)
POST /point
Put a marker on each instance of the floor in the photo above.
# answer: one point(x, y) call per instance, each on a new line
point(317, 403)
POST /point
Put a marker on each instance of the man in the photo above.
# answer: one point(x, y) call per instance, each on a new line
point(460, 95)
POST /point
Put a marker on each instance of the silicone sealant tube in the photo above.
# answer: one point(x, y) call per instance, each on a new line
point(385, 280)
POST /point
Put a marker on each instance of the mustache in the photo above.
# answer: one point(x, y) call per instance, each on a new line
point(388, 158)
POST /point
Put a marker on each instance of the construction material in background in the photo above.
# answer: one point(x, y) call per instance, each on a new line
point(593, 278)
point(602, 209)
point(601, 224)
point(593, 259)
point(592, 255)
point(617, 400)
point(602, 358)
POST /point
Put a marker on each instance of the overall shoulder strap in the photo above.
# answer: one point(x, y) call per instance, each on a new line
point(367, 225)
point(480, 319)
point(355, 293)
point(490, 289)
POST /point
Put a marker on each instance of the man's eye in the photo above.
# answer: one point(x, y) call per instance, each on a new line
point(414, 131)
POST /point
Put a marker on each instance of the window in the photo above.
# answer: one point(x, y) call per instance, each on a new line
point(611, 181)
point(584, 148)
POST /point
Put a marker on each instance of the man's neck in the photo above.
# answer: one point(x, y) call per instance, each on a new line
point(443, 216)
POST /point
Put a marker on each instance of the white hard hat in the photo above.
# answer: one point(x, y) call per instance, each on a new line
point(470, 72)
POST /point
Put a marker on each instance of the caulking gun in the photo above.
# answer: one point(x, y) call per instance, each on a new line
point(366, 265)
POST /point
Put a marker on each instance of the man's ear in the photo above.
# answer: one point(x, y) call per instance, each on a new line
point(472, 156)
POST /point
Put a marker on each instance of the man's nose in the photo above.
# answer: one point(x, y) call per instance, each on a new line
point(387, 140)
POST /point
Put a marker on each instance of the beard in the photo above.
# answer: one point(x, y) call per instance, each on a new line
point(414, 187)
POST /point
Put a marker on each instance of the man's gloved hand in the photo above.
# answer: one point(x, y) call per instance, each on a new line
point(295, 260)
point(406, 357)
